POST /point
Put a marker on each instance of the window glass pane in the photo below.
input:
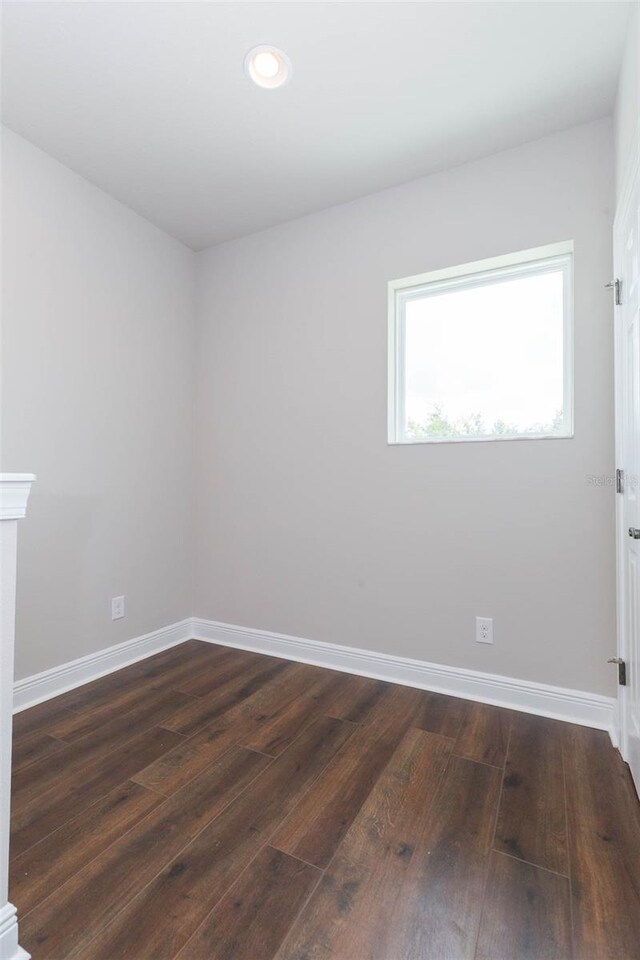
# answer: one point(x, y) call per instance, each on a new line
point(485, 359)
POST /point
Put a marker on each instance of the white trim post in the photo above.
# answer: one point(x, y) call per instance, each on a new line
point(14, 493)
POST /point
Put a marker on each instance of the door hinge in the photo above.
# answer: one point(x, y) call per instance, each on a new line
point(615, 286)
point(619, 481)
point(622, 670)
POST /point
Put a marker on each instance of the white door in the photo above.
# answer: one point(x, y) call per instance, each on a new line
point(627, 325)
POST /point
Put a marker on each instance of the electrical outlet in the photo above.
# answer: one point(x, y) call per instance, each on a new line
point(117, 608)
point(484, 630)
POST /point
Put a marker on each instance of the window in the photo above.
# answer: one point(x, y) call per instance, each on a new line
point(483, 351)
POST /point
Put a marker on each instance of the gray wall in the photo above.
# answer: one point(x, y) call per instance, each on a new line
point(627, 112)
point(310, 524)
point(98, 357)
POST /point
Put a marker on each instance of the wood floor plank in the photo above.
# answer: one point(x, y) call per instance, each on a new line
point(146, 845)
point(440, 901)
point(526, 913)
point(36, 719)
point(192, 756)
point(441, 714)
point(242, 664)
point(604, 831)
point(158, 669)
point(109, 736)
point(178, 672)
point(97, 692)
point(356, 698)
point(318, 823)
point(167, 912)
point(348, 913)
point(45, 867)
point(182, 654)
point(532, 818)
point(484, 735)
point(113, 879)
point(393, 713)
point(69, 796)
point(133, 713)
point(276, 732)
point(32, 747)
point(253, 918)
point(295, 681)
point(201, 711)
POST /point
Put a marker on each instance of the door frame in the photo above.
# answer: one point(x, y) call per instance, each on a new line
point(632, 176)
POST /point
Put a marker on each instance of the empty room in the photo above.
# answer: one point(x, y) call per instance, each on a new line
point(320, 453)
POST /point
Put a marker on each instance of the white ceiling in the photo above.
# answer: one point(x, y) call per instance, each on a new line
point(149, 100)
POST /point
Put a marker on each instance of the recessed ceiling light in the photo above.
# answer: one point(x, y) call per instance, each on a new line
point(267, 66)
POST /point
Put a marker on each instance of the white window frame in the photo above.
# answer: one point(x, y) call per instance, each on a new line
point(526, 262)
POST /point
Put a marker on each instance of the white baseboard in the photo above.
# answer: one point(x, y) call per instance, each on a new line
point(50, 683)
point(576, 706)
point(9, 948)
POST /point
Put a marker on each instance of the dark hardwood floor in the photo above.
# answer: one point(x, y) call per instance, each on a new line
point(214, 804)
